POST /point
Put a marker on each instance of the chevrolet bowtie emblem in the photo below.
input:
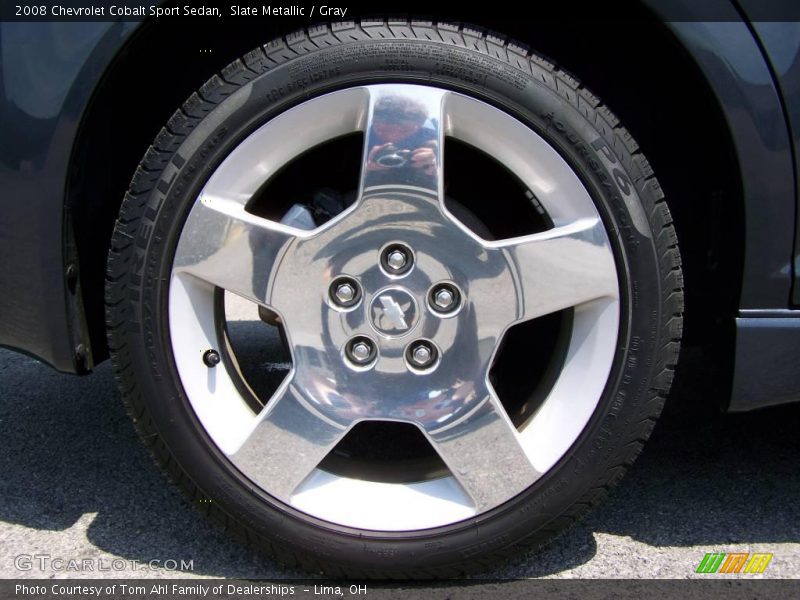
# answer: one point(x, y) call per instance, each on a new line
point(393, 312)
point(393, 315)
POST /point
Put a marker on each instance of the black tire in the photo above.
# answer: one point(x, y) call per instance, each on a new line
point(474, 62)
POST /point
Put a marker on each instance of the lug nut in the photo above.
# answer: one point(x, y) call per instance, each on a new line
point(360, 350)
point(421, 354)
point(444, 298)
point(397, 259)
point(211, 358)
point(345, 292)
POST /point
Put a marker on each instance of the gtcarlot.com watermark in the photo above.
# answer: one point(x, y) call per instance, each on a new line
point(47, 562)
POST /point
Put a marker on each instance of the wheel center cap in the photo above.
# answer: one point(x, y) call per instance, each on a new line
point(393, 312)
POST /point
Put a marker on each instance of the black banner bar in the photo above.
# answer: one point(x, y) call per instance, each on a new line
point(220, 589)
point(314, 10)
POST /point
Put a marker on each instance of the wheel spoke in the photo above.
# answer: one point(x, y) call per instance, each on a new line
point(288, 442)
point(403, 139)
point(232, 249)
point(560, 268)
point(484, 454)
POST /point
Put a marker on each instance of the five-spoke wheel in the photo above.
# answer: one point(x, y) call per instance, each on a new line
point(394, 309)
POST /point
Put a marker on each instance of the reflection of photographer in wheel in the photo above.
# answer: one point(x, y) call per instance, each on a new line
point(401, 138)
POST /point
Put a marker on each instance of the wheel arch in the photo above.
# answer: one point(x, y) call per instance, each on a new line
point(158, 67)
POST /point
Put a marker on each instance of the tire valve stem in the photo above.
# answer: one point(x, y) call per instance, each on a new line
point(211, 358)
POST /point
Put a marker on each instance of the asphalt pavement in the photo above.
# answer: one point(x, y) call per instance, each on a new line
point(76, 483)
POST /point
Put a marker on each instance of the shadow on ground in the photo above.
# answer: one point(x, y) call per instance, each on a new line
point(67, 448)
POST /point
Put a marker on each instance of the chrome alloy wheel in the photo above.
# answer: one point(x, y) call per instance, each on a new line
point(393, 310)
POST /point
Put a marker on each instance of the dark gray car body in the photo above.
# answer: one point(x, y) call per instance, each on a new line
point(50, 76)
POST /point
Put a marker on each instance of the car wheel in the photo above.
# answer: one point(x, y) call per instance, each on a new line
point(468, 292)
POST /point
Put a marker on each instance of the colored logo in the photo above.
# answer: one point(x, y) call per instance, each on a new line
point(734, 562)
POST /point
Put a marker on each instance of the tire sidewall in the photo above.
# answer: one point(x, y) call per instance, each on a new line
point(611, 180)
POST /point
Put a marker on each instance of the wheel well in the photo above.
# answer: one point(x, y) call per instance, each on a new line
point(636, 66)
